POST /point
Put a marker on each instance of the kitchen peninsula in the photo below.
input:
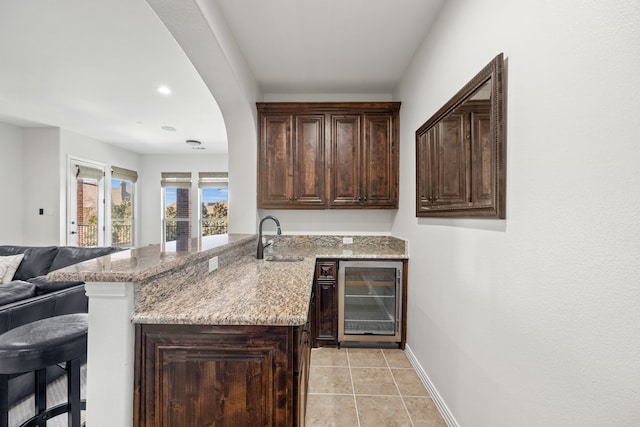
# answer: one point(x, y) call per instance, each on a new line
point(142, 300)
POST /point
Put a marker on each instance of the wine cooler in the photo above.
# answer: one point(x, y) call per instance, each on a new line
point(370, 301)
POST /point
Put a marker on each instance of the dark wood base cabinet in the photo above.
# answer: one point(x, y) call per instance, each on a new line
point(196, 375)
point(325, 313)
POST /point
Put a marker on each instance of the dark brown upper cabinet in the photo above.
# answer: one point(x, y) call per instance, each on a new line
point(291, 161)
point(328, 155)
point(461, 152)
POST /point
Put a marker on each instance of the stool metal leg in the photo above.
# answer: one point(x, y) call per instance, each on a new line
point(40, 377)
point(73, 392)
point(4, 400)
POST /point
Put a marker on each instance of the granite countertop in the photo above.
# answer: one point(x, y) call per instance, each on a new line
point(174, 287)
point(139, 264)
point(247, 292)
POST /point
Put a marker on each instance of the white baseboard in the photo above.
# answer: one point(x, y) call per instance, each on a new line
point(435, 396)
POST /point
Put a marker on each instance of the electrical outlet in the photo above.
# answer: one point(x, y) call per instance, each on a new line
point(347, 240)
point(213, 264)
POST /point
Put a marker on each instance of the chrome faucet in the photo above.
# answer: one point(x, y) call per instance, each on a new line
point(260, 253)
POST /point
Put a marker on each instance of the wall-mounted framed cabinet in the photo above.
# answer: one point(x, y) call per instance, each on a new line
point(328, 155)
point(461, 152)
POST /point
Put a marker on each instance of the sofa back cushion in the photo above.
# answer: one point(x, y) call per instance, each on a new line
point(36, 262)
point(69, 255)
point(12, 250)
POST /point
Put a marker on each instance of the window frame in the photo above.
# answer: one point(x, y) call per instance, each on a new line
point(178, 181)
point(128, 176)
point(211, 180)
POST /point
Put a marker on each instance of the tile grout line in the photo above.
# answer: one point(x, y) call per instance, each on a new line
point(353, 388)
point(391, 369)
point(404, 405)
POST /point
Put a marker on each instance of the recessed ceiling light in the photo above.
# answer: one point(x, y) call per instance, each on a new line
point(164, 90)
point(168, 128)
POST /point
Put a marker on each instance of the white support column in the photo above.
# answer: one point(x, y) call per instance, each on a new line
point(110, 355)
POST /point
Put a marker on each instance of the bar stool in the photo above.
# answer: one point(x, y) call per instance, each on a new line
point(35, 346)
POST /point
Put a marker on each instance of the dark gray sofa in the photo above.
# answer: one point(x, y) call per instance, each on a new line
point(30, 296)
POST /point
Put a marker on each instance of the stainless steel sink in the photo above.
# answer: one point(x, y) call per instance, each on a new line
point(278, 258)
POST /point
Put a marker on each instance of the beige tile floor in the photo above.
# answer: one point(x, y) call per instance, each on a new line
point(367, 387)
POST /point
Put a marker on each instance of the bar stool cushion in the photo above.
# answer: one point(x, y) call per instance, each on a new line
point(43, 343)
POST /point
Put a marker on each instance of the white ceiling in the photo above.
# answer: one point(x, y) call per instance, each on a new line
point(93, 67)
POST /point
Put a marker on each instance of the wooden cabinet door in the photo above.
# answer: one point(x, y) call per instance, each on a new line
point(344, 183)
point(425, 161)
point(443, 155)
point(482, 154)
point(364, 161)
point(327, 313)
point(450, 156)
point(379, 161)
point(275, 161)
point(213, 376)
point(302, 359)
point(309, 164)
point(326, 321)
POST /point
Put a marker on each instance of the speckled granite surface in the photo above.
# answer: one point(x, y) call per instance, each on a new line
point(140, 264)
point(174, 286)
point(248, 292)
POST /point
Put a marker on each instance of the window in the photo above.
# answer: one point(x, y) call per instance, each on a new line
point(122, 206)
point(214, 202)
point(176, 206)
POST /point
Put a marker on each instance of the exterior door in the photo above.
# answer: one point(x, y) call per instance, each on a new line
point(85, 218)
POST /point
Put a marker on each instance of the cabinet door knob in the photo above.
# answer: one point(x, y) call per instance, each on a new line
point(365, 198)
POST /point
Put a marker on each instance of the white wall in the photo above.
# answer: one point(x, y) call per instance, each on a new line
point(11, 177)
point(534, 321)
point(41, 175)
point(151, 199)
point(331, 221)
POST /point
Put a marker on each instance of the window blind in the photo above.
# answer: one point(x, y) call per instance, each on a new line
point(213, 179)
point(86, 172)
point(124, 174)
point(176, 179)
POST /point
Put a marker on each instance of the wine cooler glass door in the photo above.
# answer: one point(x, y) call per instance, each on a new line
point(369, 300)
